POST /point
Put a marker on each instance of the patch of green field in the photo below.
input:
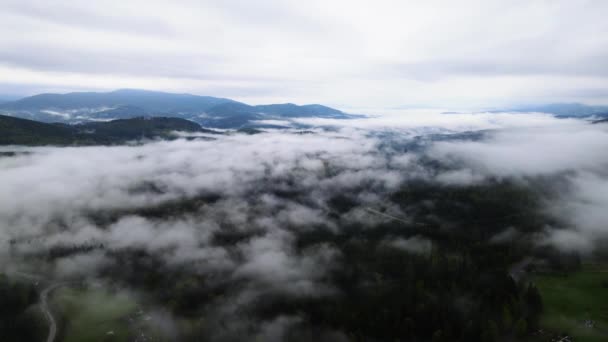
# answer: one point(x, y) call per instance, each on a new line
point(92, 312)
point(571, 299)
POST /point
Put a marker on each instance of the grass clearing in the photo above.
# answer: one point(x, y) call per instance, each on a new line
point(92, 312)
point(570, 300)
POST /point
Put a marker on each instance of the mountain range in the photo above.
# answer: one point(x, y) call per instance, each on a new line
point(208, 111)
point(565, 109)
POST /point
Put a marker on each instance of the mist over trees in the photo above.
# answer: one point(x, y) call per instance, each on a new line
point(336, 234)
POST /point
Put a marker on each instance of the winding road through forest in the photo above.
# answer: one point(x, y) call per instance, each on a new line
point(44, 306)
point(44, 300)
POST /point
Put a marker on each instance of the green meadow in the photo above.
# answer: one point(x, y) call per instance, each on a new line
point(569, 300)
point(94, 314)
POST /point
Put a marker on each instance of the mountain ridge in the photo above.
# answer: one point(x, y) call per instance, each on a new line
point(209, 111)
point(18, 131)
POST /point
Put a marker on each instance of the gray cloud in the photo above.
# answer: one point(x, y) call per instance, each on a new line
point(85, 16)
point(377, 55)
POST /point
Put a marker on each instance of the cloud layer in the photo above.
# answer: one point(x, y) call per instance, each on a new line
point(235, 210)
point(344, 53)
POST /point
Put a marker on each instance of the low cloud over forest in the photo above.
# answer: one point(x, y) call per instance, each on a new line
point(257, 218)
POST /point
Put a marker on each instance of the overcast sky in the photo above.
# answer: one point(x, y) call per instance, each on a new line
point(344, 53)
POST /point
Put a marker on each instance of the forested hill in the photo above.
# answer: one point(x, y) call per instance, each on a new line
point(16, 131)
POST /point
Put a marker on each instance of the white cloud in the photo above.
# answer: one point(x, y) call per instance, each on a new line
point(571, 150)
point(424, 121)
point(533, 151)
point(49, 194)
point(415, 245)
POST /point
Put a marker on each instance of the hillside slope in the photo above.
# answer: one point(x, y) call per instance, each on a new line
point(17, 131)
